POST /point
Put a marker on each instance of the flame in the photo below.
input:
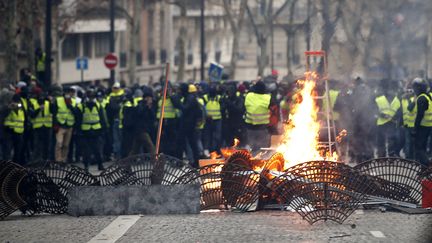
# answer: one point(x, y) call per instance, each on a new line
point(227, 152)
point(300, 140)
point(236, 142)
point(214, 155)
point(341, 135)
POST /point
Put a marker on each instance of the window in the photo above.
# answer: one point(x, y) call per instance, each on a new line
point(190, 59)
point(70, 48)
point(218, 55)
point(123, 59)
point(152, 57)
point(138, 59)
point(101, 44)
point(87, 45)
point(163, 56)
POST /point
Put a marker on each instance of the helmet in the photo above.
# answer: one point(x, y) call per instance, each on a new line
point(419, 81)
point(192, 88)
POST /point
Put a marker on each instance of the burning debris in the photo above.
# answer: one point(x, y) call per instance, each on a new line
point(300, 142)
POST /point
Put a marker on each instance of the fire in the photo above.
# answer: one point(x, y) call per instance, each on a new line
point(227, 152)
point(236, 142)
point(300, 141)
point(214, 155)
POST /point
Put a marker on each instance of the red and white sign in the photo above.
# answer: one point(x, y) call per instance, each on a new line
point(110, 61)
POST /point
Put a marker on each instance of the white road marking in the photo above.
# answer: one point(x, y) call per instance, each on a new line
point(377, 234)
point(116, 229)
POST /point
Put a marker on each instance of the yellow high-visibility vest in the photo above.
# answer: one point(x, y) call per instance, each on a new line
point(408, 116)
point(40, 66)
point(333, 95)
point(90, 117)
point(201, 123)
point(213, 107)
point(126, 104)
point(15, 121)
point(44, 117)
point(257, 108)
point(386, 108)
point(64, 115)
point(114, 94)
point(136, 100)
point(169, 110)
point(427, 118)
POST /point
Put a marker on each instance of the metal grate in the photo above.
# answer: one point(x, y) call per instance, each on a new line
point(42, 194)
point(11, 175)
point(398, 179)
point(141, 170)
point(322, 190)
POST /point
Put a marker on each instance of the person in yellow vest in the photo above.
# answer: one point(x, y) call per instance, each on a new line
point(186, 101)
point(423, 120)
point(91, 124)
point(42, 123)
point(214, 122)
point(40, 64)
point(388, 106)
point(257, 116)
point(107, 144)
point(64, 112)
point(408, 103)
point(234, 110)
point(113, 106)
point(168, 143)
point(144, 125)
point(14, 130)
point(127, 117)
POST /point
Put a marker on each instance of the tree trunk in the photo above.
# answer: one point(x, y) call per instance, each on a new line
point(262, 61)
point(234, 53)
point(182, 45)
point(27, 36)
point(134, 34)
point(11, 46)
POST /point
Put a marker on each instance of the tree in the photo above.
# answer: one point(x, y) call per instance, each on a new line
point(262, 24)
point(331, 12)
point(236, 24)
point(134, 38)
point(9, 13)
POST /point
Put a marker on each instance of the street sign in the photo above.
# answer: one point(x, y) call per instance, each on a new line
point(215, 72)
point(110, 61)
point(81, 63)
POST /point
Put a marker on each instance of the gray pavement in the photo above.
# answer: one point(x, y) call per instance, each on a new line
point(262, 226)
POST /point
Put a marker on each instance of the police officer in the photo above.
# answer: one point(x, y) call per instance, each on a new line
point(91, 120)
point(14, 130)
point(257, 116)
point(388, 105)
point(423, 120)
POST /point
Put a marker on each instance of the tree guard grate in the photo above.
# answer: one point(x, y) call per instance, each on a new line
point(399, 179)
point(322, 190)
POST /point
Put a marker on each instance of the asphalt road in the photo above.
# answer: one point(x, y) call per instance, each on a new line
point(262, 226)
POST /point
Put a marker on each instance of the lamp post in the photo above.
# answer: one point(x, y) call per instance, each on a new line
point(202, 45)
point(111, 37)
point(48, 43)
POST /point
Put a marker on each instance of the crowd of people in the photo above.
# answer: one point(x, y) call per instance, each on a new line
point(93, 124)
